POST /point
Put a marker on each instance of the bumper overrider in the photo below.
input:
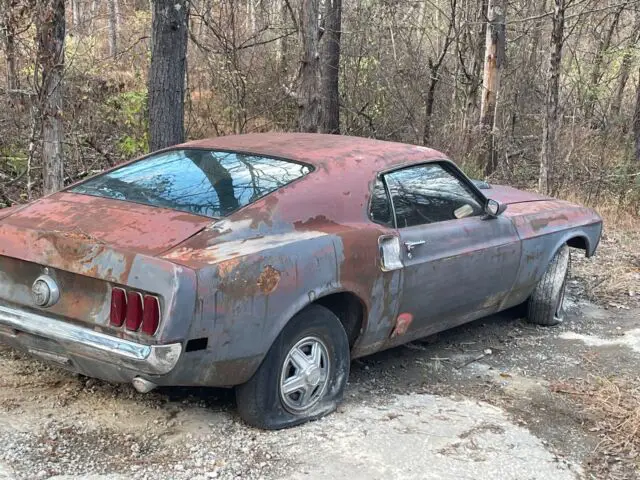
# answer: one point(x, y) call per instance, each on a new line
point(82, 349)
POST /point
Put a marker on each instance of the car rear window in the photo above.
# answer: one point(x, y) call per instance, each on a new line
point(202, 182)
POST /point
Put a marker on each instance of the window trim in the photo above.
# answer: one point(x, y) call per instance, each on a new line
point(448, 166)
point(379, 177)
point(177, 148)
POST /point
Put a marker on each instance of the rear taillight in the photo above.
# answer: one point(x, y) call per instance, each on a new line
point(118, 307)
point(150, 315)
point(134, 311)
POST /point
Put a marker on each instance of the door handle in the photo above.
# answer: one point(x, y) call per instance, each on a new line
point(410, 246)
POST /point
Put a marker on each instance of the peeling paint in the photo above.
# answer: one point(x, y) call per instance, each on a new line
point(402, 324)
point(238, 281)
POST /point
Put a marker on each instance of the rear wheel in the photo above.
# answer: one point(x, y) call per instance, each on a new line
point(303, 375)
point(546, 303)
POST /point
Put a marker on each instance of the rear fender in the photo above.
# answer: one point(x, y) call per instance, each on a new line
point(244, 302)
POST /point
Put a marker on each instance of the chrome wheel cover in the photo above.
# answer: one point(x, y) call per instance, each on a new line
point(305, 375)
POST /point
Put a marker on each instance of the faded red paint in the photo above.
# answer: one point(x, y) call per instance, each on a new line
point(254, 265)
point(122, 225)
point(547, 216)
point(402, 324)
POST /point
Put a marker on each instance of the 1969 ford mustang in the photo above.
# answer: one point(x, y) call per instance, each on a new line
point(269, 261)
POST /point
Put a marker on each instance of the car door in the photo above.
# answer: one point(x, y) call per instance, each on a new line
point(458, 264)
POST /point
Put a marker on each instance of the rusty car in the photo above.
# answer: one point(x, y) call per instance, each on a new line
point(267, 262)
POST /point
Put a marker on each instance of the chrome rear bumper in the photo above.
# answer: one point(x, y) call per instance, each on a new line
point(83, 342)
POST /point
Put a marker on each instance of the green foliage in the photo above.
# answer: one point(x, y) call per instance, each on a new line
point(14, 159)
point(127, 110)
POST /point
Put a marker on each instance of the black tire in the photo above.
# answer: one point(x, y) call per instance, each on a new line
point(545, 305)
point(260, 402)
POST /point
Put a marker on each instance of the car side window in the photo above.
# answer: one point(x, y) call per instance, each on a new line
point(429, 193)
point(380, 207)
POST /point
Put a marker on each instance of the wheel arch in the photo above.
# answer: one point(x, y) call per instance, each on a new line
point(579, 241)
point(578, 238)
point(347, 305)
point(574, 239)
point(350, 310)
point(344, 303)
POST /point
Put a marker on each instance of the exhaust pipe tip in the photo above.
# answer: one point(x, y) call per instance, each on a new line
point(142, 385)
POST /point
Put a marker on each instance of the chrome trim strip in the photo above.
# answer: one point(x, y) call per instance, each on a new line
point(150, 359)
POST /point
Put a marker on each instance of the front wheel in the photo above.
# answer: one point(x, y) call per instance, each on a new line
point(546, 303)
point(303, 375)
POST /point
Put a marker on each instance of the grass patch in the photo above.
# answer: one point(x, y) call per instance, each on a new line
point(612, 409)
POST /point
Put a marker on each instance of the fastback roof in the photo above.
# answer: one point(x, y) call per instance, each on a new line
point(321, 151)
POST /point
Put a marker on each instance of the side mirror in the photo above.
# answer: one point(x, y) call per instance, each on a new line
point(493, 208)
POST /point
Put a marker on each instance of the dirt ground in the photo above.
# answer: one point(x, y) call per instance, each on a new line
point(498, 398)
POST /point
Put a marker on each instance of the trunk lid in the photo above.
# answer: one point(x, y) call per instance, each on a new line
point(117, 224)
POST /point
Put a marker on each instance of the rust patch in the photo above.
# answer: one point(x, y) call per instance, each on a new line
point(77, 234)
point(268, 280)
point(539, 223)
point(226, 268)
point(402, 324)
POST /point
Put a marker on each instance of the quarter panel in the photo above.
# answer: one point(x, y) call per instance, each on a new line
point(245, 301)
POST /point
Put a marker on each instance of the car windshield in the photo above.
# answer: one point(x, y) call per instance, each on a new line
point(202, 182)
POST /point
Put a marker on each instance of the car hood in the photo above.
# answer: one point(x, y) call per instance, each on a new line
point(510, 195)
point(87, 219)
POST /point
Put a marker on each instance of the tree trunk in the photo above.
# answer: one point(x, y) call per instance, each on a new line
point(7, 25)
point(434, 71)
point(50, 32)
point(625, 70)
point(623, 78)
point(167, 73)
point(309, 84)
point(636, 122)
point(551, 120)
point(113, 27)
point(474, 81)
point(603, 46)
point(428, 105)
point(75, 14)
point(281, 13)
point(525, 78)
point(493, 61)
point(331, 67)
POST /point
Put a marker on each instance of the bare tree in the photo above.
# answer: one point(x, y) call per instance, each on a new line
point(75, 13)
point(551, 119)
point(114, 15)
point(636, 122)
point(596, 72)
point(331, 67)
point(434, 73)
point(476, 43)
point(167, 73)
point(493, 61)
point(50, 32)
point(625, 68)
point(93, 8)
point(8, 32)
point(308, 95)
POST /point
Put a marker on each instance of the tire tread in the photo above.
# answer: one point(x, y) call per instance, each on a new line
point(542, 304)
